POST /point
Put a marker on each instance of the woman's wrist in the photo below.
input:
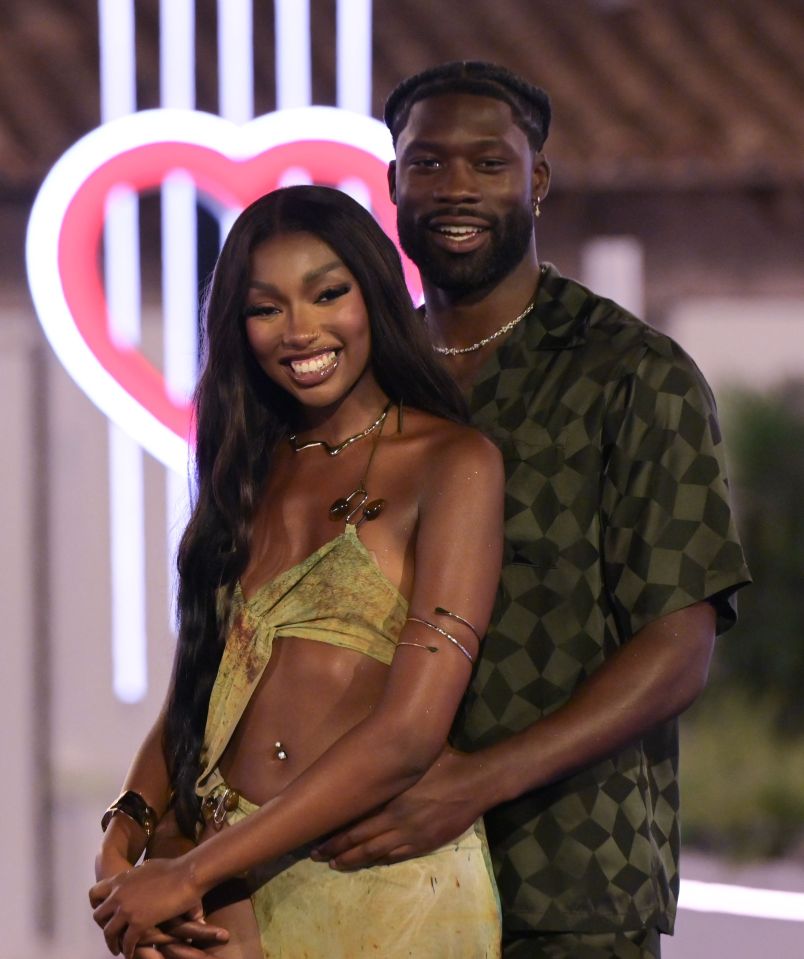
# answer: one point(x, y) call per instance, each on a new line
point(123, 840)
point(196, 869)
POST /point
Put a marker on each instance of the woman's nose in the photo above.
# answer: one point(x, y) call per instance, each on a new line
point(301, 332)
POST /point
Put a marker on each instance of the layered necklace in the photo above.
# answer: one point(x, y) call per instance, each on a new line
point(459, 350)
point(357, 502)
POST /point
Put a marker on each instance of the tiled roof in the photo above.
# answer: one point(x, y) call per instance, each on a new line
point(646, 93)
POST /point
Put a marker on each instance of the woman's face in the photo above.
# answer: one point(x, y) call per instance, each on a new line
point(306, 321)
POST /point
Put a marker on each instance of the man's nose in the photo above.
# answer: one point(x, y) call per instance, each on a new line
point(457, 182)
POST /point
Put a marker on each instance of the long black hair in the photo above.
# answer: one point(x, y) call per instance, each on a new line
point(241, 416)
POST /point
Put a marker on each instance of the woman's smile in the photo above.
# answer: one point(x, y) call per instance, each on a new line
point(306, 321)
point(312, 368)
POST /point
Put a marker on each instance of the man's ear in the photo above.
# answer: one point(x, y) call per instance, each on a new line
point(392, 181)
point(541, 176)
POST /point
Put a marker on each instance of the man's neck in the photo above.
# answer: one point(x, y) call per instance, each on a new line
point(463, 321)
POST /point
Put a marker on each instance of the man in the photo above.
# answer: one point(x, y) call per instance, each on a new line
point(621, 555)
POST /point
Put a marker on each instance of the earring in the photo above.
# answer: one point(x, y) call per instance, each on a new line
point(537, 210)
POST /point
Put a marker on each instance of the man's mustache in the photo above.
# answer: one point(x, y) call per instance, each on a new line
point(458, 212)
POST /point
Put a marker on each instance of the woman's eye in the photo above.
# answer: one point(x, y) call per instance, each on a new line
point(333, 293)
point(260, 310)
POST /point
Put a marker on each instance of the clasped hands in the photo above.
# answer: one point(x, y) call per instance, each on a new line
point(153, 910)
point(158, 903)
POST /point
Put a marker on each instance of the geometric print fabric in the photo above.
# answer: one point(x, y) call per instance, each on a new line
point(616, 513)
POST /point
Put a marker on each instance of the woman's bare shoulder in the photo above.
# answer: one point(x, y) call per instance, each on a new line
point(448, 446)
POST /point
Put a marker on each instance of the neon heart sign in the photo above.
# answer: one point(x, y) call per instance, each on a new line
point(231, 166)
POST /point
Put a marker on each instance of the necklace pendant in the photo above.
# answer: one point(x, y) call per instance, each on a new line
point(346, 506)
point(372, 511)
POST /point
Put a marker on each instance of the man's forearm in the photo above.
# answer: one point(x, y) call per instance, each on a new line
point(652, 678)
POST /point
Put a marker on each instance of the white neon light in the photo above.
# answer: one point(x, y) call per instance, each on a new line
point(741, 901)
point(118, 90)
point(177, 497)
point(129, 668)
point(121, 264)
point(292, 51)
point(295, 176)
point(236, 60)
point(105, 143)
point(177, 53)
point(353, 57)
point(118, 81)
point(357, 190)
point(179, 286)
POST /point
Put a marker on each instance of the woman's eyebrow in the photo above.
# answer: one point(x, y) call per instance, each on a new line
point(308, 277)
point(320, 270)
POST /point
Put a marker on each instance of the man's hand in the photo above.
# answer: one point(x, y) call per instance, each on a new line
point(440, 807)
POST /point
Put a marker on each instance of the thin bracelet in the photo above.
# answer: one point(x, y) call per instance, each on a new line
point(448, 612)
point(445, 634)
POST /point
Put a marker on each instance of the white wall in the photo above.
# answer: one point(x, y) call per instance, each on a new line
point(758, 342)
point(92, 736)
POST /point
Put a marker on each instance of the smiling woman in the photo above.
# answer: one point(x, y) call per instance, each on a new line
point(306, 321)
point(336, 576)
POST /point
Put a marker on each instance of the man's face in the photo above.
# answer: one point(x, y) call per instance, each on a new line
point(463, 185)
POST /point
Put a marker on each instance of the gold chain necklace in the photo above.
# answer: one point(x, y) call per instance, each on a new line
point(458, 350)
point(334, 450)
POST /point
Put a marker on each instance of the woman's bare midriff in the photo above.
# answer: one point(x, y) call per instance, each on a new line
point(310, 695)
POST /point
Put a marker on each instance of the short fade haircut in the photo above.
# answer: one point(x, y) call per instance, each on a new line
point(529, 104)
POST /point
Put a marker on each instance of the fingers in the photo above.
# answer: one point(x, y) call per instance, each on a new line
point(398, 854)
point(130, 941)
point(382, 850)
point(181, 950)
point(358, 835)
point(99, 892)
point(197, 931)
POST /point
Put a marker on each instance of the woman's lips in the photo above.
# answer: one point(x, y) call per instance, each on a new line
point(312, 369)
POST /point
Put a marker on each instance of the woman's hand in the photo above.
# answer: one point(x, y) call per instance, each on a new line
point(130, 905)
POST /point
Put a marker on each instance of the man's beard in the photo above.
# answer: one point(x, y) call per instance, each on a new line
point(465, 273)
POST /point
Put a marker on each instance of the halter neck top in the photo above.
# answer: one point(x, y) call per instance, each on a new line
point(337, 595)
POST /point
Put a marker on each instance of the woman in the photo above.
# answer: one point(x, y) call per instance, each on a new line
point(336, 575)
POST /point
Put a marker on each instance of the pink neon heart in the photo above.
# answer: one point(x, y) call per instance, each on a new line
point(232, 182)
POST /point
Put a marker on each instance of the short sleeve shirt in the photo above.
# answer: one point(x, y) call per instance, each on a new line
point(616, 513)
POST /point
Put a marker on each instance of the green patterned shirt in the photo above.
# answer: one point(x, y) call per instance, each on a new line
point(617, 512)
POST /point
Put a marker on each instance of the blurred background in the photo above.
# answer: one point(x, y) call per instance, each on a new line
point(677, 149)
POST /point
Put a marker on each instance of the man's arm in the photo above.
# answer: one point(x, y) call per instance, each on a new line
point(649, 680)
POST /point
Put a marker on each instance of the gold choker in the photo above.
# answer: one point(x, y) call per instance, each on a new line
point(334, 450)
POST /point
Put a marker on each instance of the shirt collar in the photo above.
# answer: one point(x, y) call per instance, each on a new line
point(560, 317)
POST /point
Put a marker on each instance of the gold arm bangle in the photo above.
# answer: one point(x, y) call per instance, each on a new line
point(444, 633)
point(448, 612)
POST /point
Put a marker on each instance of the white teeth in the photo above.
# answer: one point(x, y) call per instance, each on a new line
point(459, 232)
point(316, 364)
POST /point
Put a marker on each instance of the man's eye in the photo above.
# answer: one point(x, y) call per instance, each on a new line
point(333, 293)
point(491, 163)
point(425, 163)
